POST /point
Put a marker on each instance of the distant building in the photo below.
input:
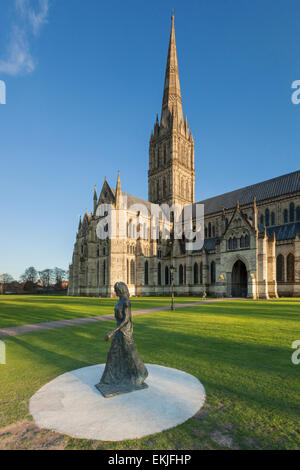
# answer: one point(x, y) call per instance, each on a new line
point(64, 285)
point(252, 241)
point(13, 287)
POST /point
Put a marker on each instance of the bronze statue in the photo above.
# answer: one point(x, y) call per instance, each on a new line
point(124, 370)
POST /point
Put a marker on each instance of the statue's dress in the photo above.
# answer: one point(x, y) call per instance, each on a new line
point(124, 370)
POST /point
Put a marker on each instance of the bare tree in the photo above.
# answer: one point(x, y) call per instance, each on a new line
point(60, 275)
point(4, 280)
point(30, 275)
point(46, 277)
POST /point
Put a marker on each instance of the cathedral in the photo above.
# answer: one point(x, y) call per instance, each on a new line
point(251, 235)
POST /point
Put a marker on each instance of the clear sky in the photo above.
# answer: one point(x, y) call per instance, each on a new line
point(84, 83)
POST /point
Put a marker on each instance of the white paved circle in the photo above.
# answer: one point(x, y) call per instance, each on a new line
point(70, 404)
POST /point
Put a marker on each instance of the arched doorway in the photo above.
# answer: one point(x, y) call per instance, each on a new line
point(239, 280)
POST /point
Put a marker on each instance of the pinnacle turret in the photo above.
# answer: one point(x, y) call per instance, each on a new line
point(95, 200)
point(118, 191)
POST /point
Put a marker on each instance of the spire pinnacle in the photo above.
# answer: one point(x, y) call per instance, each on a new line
point(95, 200)
point(172, 94)
point(118, 191)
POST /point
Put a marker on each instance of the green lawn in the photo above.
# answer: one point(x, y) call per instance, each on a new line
point(241, 352)
point(23, 309)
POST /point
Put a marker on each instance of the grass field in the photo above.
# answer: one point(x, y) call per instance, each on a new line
point(240, 351)
point(23, 309)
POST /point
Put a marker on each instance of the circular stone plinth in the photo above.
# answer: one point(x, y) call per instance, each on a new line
point(70, 404)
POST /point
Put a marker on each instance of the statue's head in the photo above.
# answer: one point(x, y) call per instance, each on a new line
point(121, 289)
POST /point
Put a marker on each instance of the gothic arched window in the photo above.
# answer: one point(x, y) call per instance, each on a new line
point(213, 272)
point(205, 232)
point(146, 273)
point(181, 274)
point(285, 216)
point(262, 220)
point(247, 241)
point(98, 276)
point(242, 241)
point(280, 268)
point(267, 215)
point(290, 268)
point(234, 243)
point(201, 273)
point(128, 273)
point(292, 212)
point(128, 229)
point(273, 218)
point(132, 272)
point(159, 274)
point(104, 273)
point(196, 280)
point(166, 275)
point(209, 230)
point(164, 188)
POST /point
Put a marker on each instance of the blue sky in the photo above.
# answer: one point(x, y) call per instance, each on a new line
point(84, 83)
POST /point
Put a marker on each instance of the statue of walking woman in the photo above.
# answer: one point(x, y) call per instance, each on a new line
point(124, 370)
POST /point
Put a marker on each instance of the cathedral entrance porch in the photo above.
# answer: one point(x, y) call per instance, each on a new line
point(239, 280)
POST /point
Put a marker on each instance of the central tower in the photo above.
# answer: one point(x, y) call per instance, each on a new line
point(171, 175)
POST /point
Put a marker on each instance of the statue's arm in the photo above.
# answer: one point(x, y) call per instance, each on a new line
point(126, 311)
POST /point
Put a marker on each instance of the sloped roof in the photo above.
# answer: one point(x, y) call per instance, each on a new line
point(136, 200)
point(284, 232)
point(279, 186)
point(209, 244)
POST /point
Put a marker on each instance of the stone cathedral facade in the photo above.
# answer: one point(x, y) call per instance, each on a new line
point(252, 235)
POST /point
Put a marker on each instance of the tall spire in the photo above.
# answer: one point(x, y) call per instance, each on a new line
point(171, 176)
point(172, 94)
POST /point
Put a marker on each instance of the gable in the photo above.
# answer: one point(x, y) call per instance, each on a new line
point(238, 225)
point(107, 195)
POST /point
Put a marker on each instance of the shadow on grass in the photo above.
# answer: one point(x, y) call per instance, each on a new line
point(249, 310)
point(254, 381)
